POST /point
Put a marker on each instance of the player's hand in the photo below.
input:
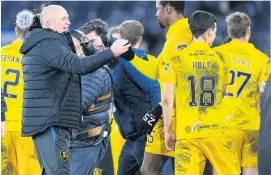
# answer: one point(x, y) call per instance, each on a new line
point(3, 129)
point(146, 124)
point(170, 140)
point(119, 47)
point(129, 55)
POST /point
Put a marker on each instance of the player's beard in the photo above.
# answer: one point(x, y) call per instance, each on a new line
point(160, 24)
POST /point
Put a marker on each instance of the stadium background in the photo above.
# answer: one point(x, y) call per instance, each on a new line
point(144, 11)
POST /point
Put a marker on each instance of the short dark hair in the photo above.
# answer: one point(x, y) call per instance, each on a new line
point(131, 30)
point(178, 5)
point(200, 22)
point(97, 25)
point(237, 24)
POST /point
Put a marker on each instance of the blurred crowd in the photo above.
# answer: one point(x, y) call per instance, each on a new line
point(144, 11)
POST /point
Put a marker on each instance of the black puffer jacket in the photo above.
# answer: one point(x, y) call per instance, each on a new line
point(52, 85)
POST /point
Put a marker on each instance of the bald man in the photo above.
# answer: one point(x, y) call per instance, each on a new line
point(52, 87)
point(56, 18)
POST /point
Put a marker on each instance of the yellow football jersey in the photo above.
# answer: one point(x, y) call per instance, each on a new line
point(177, 38)
point(198, 74)
point(249, 69)
point(12, 84)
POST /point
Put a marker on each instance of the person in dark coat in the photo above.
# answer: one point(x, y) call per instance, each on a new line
point(264, 147)
point(134, 95)
point(90, 143)
point(52, 86)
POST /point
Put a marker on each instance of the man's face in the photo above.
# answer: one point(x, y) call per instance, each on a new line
point(96, 40)
point(60, 22)
point(78, 47)
point(161, 14)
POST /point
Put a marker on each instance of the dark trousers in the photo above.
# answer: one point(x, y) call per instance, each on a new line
point(52, 148)
point(264, 150)
point(208, 170)
point(168, 168)
point(106, 165)
point(84, 160)
point(131, 157)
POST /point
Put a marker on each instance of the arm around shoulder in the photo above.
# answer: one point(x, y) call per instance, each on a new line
point(59, 56)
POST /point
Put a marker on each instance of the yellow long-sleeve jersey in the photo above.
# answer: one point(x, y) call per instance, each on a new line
point(177, 38)
point(12, 84)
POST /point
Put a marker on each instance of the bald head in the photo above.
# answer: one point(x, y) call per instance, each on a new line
point(56, 18)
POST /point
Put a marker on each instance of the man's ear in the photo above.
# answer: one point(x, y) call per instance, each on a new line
point(229, 33)
point(209, 32)
point(140, 40)
point(248, 31)
point(168, 9)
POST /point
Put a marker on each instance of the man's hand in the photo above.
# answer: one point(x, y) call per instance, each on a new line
point(119, 47)
point(147, 123)
point(129, 55)
point(170, 140)
point(3, 129)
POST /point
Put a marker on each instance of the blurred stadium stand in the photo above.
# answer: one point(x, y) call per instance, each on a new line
point(144, 11)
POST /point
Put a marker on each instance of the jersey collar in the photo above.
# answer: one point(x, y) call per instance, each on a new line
point(242, 44)
point(200, 45)
point(17, 43)
point(175, 28)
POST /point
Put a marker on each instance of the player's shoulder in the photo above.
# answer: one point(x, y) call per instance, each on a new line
point(179, 55)
point(222, 48)
point(260, 55)
point(175, 44)
point(222, 51)
point(151, 57)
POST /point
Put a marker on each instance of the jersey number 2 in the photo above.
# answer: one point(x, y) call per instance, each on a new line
point(11, 83)
point(205, 92)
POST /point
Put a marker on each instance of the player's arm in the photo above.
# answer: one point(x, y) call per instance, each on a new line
point(227, 78)
point(148, 68)
point(169, 78)
point(167, 103)
point(227, 75)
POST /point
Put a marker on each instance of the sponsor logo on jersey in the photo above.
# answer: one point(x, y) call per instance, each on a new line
point(181, 46)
